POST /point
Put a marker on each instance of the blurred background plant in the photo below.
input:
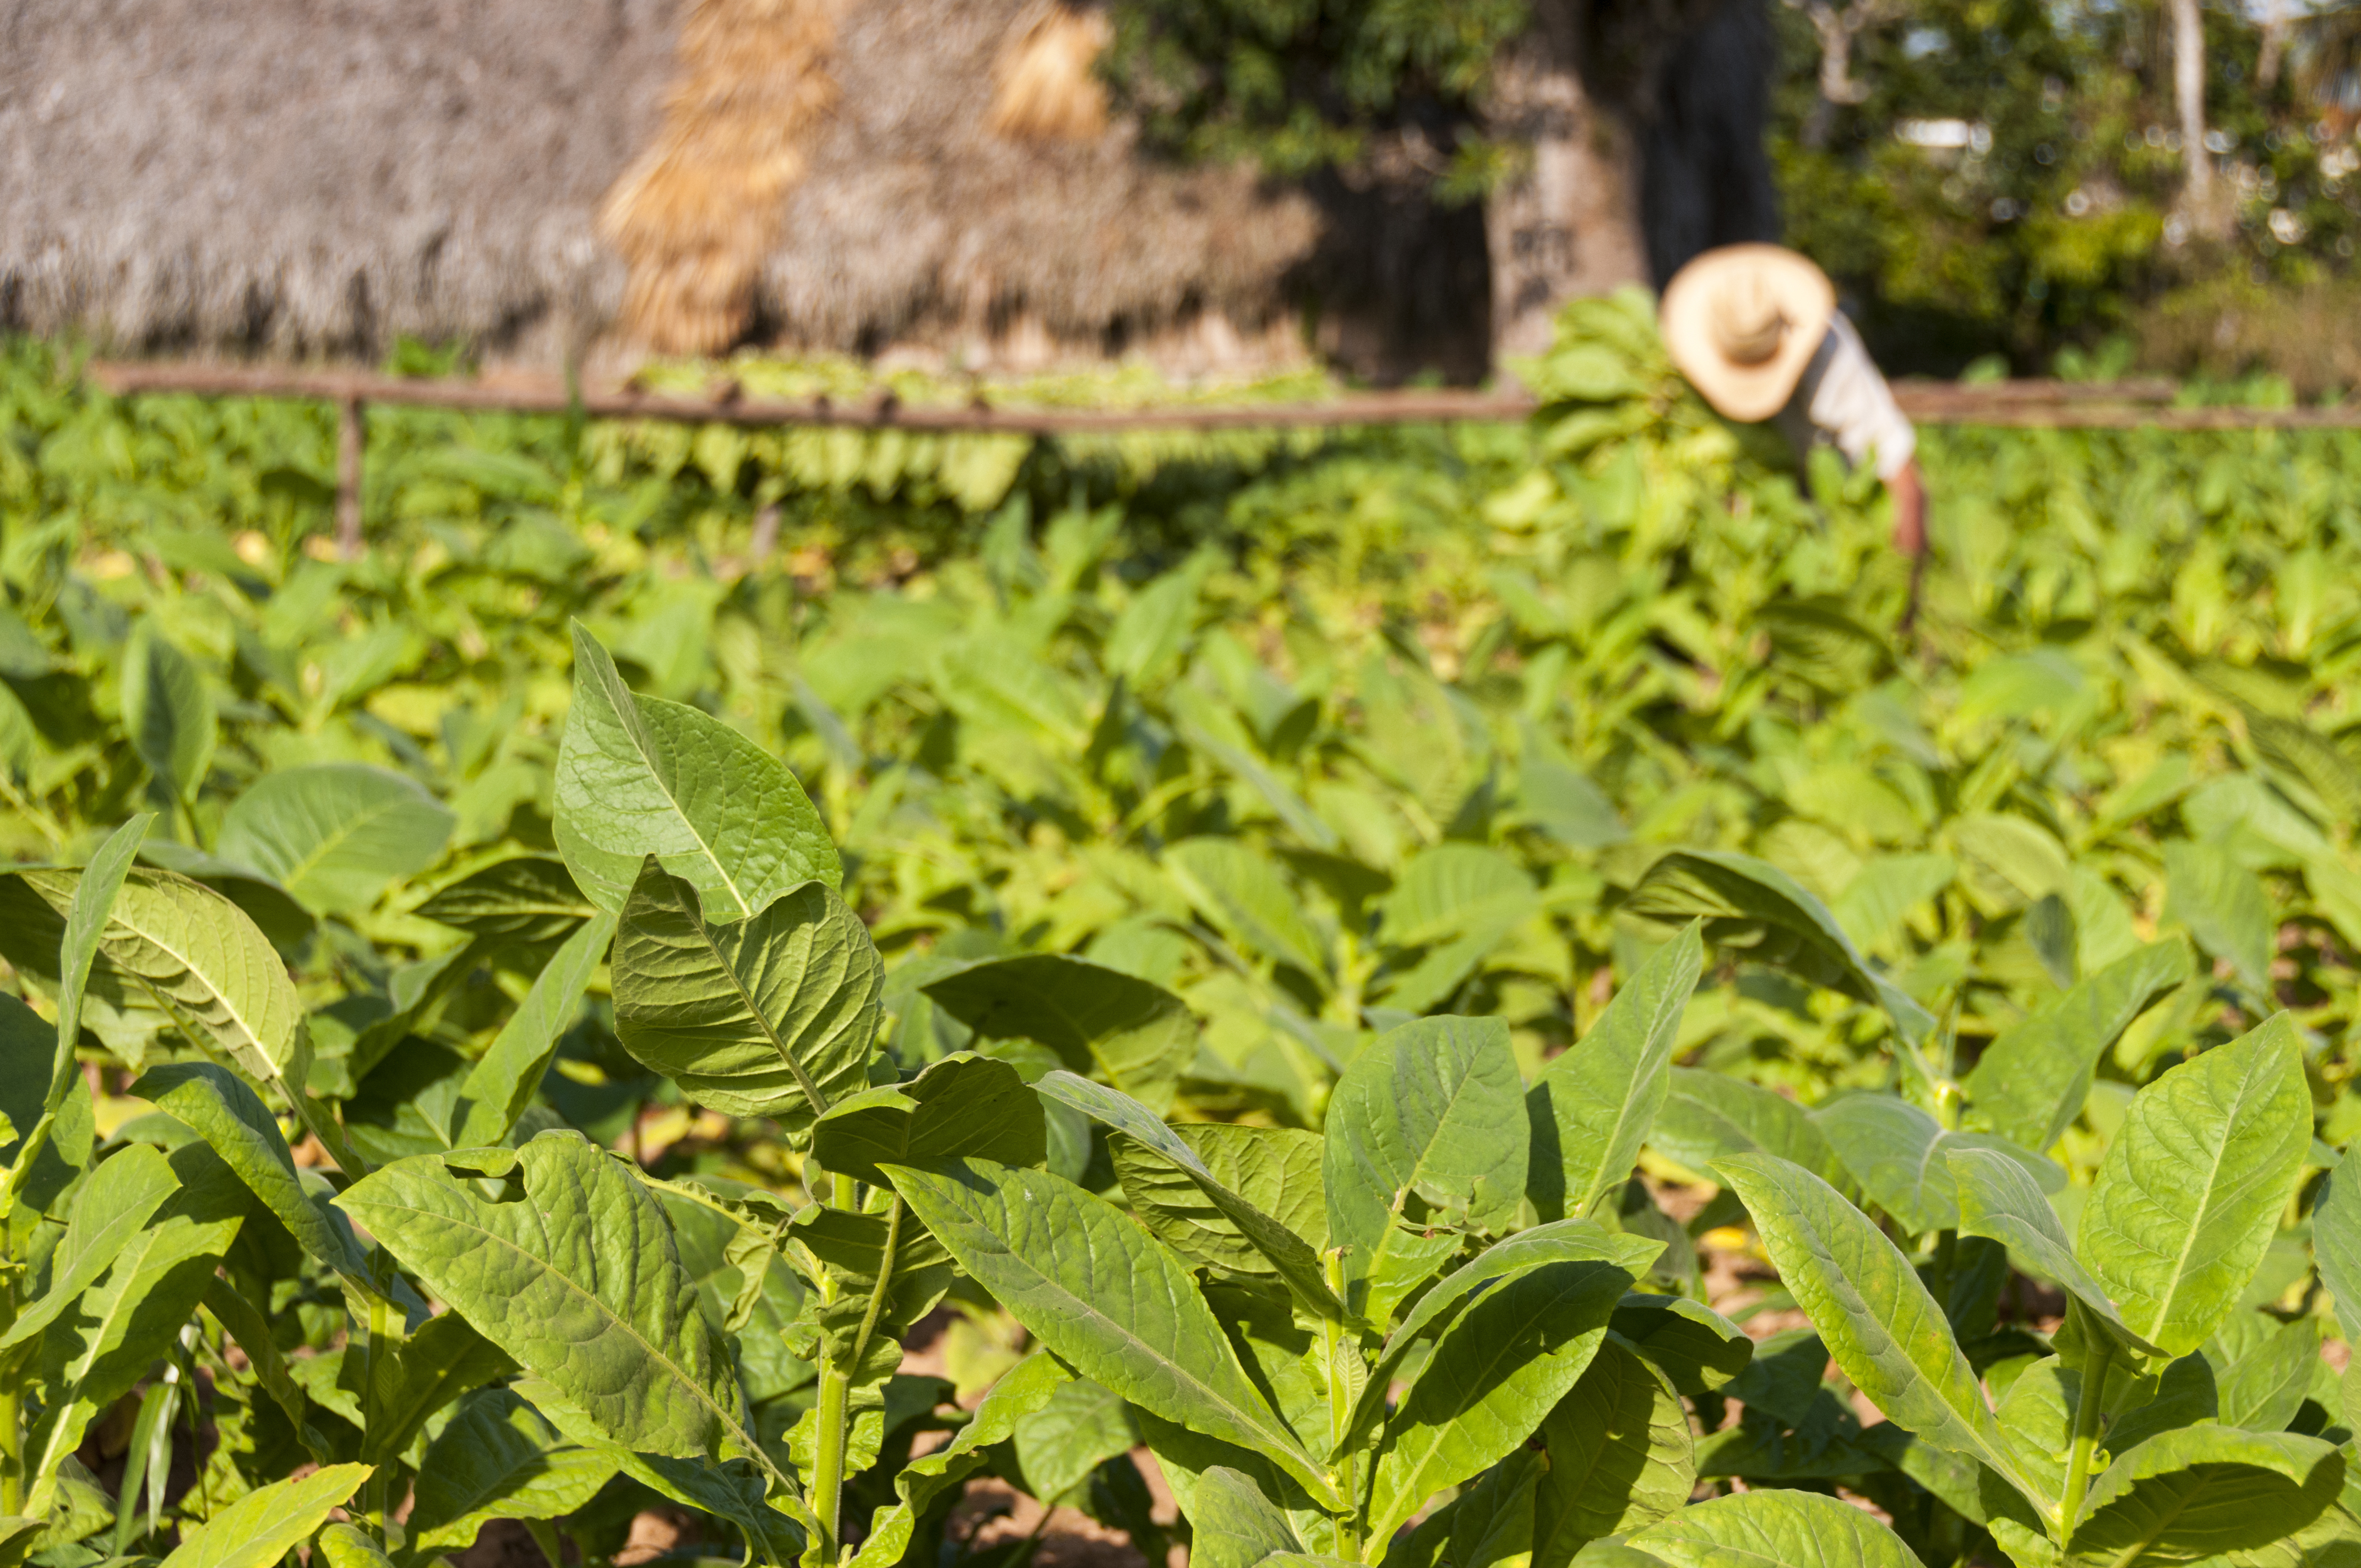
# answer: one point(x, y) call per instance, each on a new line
point(2012, 177)
point(2009, 178)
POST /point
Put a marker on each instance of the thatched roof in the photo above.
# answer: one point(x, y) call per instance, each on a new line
point(315, 177)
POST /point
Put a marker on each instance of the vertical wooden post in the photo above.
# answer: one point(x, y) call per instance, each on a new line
point(352, 436)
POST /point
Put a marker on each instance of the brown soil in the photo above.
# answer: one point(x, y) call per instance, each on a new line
point(993, 1512)
point(504, 1543)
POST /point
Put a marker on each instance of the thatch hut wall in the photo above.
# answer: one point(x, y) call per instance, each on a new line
point(304, 177)
point(313, 178)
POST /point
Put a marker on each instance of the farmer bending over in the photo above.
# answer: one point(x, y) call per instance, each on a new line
point(1756, 330)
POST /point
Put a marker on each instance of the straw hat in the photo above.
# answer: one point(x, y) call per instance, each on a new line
point(1743, 322)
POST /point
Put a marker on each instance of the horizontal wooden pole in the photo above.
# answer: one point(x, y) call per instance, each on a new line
point(2077, 405)
point(727, 406)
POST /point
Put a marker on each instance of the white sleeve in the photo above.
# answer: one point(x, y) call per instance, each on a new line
point(1852, 403)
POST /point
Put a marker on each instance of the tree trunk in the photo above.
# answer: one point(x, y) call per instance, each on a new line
point(2275, 39)
point(2189, 96)
point(1568, 223)
point(1705, 178)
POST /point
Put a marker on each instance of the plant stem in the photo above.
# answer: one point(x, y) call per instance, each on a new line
point(828, 1464)
point(12, 1398)
point(2086, 1419)
point(884, 1282)
point(1337, 1345)
point(373, 1490)
point(834, 1432)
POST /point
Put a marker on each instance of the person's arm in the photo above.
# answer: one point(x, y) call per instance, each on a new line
point(1852, 403)
point(1908, 489)
point(1907, 486)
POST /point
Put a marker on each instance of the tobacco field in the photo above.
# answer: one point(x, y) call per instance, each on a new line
point(1460, 996)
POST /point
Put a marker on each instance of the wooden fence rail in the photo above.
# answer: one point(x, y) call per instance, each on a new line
point(2074, 405)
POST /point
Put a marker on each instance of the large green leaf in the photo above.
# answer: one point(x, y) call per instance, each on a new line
point(526, 898)
point(1102, 1022)
point(226, 1113)
point(38, 1176)
point(1899, 1155)
point(1235, 1525)
point(577, 1280)
point(776, 1015)
point(1794, 928)
point(1153, 627)
point(1450, 889)
point(1562, 800)
point(2185, 1395)
point(245, 1324)
point(1772, 1528)
point(34, 906)
point(1621, 1457)
point(640, 776)
point(1999, 1201)
point(963, 1104)
point(2192, 1187)
point(29, 1052)
point(2336, 1246)
point(1185, 1455)
point(1282, 1253)
point(443, 1359)
point(1491, 1522)
point(1693, 1345)
point(1500, 1265)
point(2201, 1491)
point(2030, 1081)
point(100, 885)
point(110, 1209)
point(2225, 907)
point(202, 956)
point(1276, 1169)
point(1022, 1390)
point(1107, 1298)
point(1885, 890)
point(1708, 1115)
point(1593, 1105)
point(996, 682)
point(498, 1458)
point(1494, 1375)
point(349, 1546)
point(766, 1512)
point(1431, 1111)
point(2264, 1388)
point(1082, 1427)
point(1247, 899)
point(96, 1352)
point(725, 1237)
point(167, 711)
point(501, 1083)
point(266, 1524)
point(335, 835)
point(1881, 1324)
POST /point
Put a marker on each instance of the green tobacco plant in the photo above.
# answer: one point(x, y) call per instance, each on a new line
point(1321, 1335)
point(508, 1322)
point(1006, 777)
point(2163, 1422)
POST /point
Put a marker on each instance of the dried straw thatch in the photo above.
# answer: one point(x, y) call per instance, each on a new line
point(916, 222)
point(1049, 88)
point(318, 176)
point(291, 176)
point(696, 214)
